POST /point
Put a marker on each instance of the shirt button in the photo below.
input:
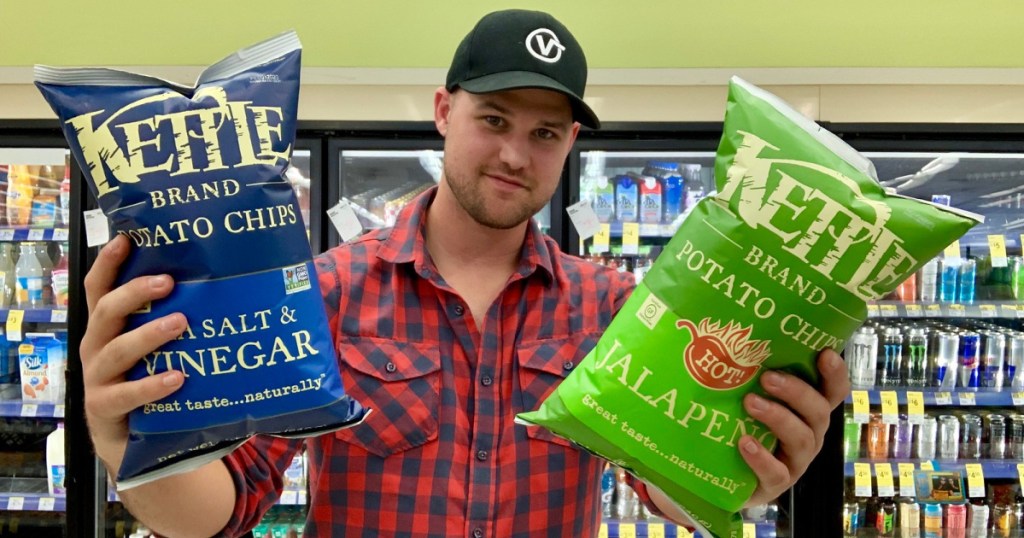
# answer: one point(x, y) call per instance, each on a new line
point(568, 365)
point(481, 455)
point(459, 310)
point(486, 380)
point(390, 367)
point(478, 533)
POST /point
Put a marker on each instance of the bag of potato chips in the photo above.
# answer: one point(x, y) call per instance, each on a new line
point(194, 178)
point(774, 268)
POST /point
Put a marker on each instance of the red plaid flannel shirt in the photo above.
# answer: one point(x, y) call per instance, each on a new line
point(439, 455)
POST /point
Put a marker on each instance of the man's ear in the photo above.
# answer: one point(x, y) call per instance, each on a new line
point(442, 109)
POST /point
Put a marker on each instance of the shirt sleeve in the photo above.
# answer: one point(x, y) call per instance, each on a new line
point(257, 470)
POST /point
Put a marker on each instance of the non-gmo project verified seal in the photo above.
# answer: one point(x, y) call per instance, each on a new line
point(296, 279)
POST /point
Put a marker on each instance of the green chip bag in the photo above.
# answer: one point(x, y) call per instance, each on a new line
point(775, 267)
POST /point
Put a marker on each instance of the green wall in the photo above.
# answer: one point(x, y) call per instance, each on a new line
point(623, 33)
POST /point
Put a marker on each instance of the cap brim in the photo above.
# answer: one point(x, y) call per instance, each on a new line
point(515, 80)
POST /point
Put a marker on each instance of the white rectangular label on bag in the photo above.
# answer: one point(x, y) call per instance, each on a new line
point(97, 229)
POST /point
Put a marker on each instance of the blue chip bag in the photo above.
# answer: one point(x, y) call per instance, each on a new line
point(193, 176)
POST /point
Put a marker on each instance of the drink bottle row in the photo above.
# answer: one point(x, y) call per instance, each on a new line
point(34, 195)
point(952, 436)
point(658, 194)
point(963, 280)
point(33, 275)
point(906, 517)
point(969, 354)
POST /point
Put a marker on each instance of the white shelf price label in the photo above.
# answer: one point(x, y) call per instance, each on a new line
point(997, 248)
point(888, 311)
point(861, 406)
point(1018, 398)
point(630, 238)
point(60, 234)
point(967, 398)
point(862, 479)
point(890, 407)
point(58, 411)
point(46, 504)
point(975, 480)
point(914, 310)
point(16, 503)
point(289, 497)
point(583, 219)
point(7, 234)
point(943, 398)
point(29, 410)
point(345, 221)
point(907, 487)
point(58, 316)
point(36, 234)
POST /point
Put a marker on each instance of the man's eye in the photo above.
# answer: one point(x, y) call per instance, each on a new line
point(493, 121)
point(545, 134)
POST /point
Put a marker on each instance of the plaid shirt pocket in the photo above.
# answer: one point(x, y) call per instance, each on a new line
point(543, 364)
point(400, 383)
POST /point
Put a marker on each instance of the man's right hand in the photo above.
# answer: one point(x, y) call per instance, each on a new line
point(107, 354)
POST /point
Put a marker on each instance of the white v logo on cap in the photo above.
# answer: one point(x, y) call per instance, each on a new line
point(543, 45)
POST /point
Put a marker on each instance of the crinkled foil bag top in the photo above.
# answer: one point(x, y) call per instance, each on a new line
point(193, 176)
point(775, 267)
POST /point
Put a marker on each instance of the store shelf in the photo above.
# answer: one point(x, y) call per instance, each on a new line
point(997, 469)
point(764, 529)
point(38, 315)
point(27, 233)
point(980, 309)
point(961, 397)
point(22, 409)
point(647, 230)
point(32, 502)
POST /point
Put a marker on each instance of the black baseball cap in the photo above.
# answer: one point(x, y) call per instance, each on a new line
point(517, 48)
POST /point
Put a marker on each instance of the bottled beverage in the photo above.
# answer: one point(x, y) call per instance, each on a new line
point(43, 254)
point(948, 276)
point(901, 438)
point(60, 278)
point(65, 197)
point(851, 438)
point(993, 359)
point(978, 519)
point(608, 492)
point(949, 437)
point(907, 290)
point(996, 436)
point(851, 517)
point(650, 200)
point(892, 357)
point(674, 185)
point(55, 469)
point(29, 273)
point(21, 186)
point(885, 518)
point(933, 517)
point(946, 358)
point(7, 276)
point(956, 516)
point(970, 448)
point(878, 437)
point(970, 347)
point(1003, 518)
point(627, 199)
point(924, 444)
point(910, 514)
point(917, 357)
point(627, 504)
point(928, 281)
point(604, 199)
point(862, 357)
point(968, 273)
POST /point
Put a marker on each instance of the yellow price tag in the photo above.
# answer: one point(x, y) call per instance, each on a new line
point(627, 530)
point(907, 486)
point(967, 398)
point(630, 238)
point(861, 407)
point(602, 239)
point(683, 532)
point(890, 407)
point(953, 250)
point(914, 310)
point(14, 320)
point(883, 479)
point(926, 465)
point(975, 480)
point(749, 530)
point(997, 249)
point(1017, 397)
point(872, 310)
point(862, 479)
point(655, 530)
point(1020, 474)
point(603, 531)
point(915, 405)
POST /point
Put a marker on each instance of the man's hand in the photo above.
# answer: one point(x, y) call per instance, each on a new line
point(800, 427)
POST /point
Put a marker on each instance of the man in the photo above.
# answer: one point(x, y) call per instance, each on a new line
point(447, 325)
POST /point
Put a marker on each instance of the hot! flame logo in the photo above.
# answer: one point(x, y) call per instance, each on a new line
point(722, 357)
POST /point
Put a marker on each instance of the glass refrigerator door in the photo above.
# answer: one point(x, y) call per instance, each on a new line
point(34, 204)
point(932, 438)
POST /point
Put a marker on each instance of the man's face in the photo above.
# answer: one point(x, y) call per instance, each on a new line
point(504, 151)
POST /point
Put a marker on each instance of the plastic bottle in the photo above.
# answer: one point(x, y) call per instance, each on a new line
point(673, 196)
point(650, 200)
point(65, 198)
point(7, 278)
point(60, 278)
point(29, 273)
point(43, 254)
point(21, 185)
point(55, 461)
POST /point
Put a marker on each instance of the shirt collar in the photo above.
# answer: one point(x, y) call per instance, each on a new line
point(405, 242)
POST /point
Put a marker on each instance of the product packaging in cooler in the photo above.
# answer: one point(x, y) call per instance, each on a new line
point(193, 177)
point(775, 267)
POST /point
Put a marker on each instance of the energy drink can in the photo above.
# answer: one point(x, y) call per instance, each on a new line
point(901, 438)
point(933, 516)
point(1004, 519)
point(970, 448)
point(878, 437)
point(949, 275)
point(851, 438)
point(928, 281)
point(885, 517)
point(956, 516)
point(892, 357)
point(910, 515)
point(851, 517)
point(1017, 277)
point(917, 358)
point(924, 444)
point(862, 357)
point(970, 344)
point(949, 437)
point(946, 359)
point(978, 516)
point(965, 285)
point(1015, 362)
point(993, 360)
point(996, 434)
point(1016, 441)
